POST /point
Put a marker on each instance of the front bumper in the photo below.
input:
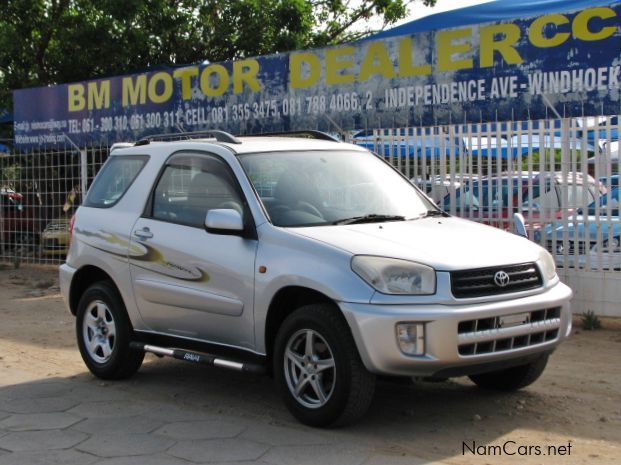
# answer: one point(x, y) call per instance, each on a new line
point(65, 275)
point(54, 243)
point(450, 348)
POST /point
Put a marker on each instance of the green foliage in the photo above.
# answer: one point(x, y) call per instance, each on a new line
point(10, 175)
point(53, 41)
point(550, 156)
point(590, 321)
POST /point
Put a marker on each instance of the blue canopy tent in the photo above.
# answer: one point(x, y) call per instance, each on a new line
point(487, 12)
point(427, 146)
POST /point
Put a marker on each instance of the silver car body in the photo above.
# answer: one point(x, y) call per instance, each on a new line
point(230, 308)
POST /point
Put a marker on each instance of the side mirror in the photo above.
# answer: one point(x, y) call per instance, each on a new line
point(519, 225)
point(224, 221)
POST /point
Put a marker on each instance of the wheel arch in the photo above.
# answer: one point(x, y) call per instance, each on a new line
point(284, 302)
point(82, 280)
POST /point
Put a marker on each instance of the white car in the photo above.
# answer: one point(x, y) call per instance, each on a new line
point(341, 271)
point(591, 239)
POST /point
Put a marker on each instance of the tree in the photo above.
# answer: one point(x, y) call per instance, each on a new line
point(53, 41)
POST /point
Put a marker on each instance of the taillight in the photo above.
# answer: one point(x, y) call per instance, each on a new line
point(71, 223)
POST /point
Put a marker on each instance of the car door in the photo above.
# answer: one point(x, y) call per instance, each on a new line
point(189, 282)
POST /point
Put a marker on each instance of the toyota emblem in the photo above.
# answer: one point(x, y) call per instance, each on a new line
point(501, 278)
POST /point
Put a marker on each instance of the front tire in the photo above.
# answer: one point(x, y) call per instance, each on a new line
point(318, 369)
point(511, 379)
point(104, 333)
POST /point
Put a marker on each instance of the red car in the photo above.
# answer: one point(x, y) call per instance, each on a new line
point(19, 225)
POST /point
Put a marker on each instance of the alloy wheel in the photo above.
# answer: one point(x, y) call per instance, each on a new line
point(99, 331)
point(310, 371)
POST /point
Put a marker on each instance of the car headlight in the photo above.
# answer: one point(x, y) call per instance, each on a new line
point(394, 276)
point(613, 246)
point(547, 263)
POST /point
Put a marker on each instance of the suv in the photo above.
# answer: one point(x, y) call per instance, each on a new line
point(341, 272)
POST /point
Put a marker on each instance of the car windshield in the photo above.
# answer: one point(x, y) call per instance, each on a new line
point(331, 187)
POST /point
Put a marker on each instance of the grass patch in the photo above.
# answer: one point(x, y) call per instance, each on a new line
point(590, 321)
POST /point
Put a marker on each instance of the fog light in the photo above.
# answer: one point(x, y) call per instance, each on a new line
point(411, 337)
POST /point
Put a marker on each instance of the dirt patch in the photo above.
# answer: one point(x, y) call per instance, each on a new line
point(576, 403)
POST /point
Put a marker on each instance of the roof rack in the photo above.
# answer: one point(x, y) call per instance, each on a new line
point(220, 136)
point(120, 145)
point(309, 134)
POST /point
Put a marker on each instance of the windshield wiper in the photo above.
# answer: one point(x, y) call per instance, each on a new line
point(430, 213)
point(371, 218)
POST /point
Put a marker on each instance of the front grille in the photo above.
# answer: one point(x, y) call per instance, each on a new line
point(480, 282)
point(508, 332)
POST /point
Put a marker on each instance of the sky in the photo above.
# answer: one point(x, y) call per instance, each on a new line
point(418, 10)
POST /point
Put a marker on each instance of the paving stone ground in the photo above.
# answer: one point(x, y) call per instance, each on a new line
point(53, 412)
point(83, 421)
point(41, 440)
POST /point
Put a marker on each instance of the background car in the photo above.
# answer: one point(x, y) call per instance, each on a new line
point(20, 223)
point(10, 197)
point(577, 245)
point(537, 196)
point(439, 187)
point(55, 237)
point(610, 181)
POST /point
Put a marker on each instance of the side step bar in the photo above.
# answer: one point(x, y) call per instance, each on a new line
point(196, 357)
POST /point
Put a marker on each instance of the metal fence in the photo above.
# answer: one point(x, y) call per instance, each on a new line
point(561, 174)
point(39, 192)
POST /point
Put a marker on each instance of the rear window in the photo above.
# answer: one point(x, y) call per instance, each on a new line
point(114, 179)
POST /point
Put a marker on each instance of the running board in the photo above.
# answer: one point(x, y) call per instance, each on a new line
point(196, 357)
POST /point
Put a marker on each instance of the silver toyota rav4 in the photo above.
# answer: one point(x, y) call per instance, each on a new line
point(305, 258)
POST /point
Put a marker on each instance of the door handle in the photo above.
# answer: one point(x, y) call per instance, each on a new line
point(143, 233)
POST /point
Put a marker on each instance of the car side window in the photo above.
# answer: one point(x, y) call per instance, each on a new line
point(548, 199)
point(578, 196)
point(190, 186)
point(114, 179)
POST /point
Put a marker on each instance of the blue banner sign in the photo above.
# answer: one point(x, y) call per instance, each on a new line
point(551, 65)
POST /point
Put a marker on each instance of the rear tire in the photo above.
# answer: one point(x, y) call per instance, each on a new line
point(511, 379)
point(318, 370)
point(104, 333)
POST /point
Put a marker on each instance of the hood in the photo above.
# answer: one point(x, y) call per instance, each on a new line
point(60, 224)
point(444, 243)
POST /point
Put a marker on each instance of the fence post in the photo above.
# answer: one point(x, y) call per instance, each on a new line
point(83, 173)
point(565, 174)
point(2, 225)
